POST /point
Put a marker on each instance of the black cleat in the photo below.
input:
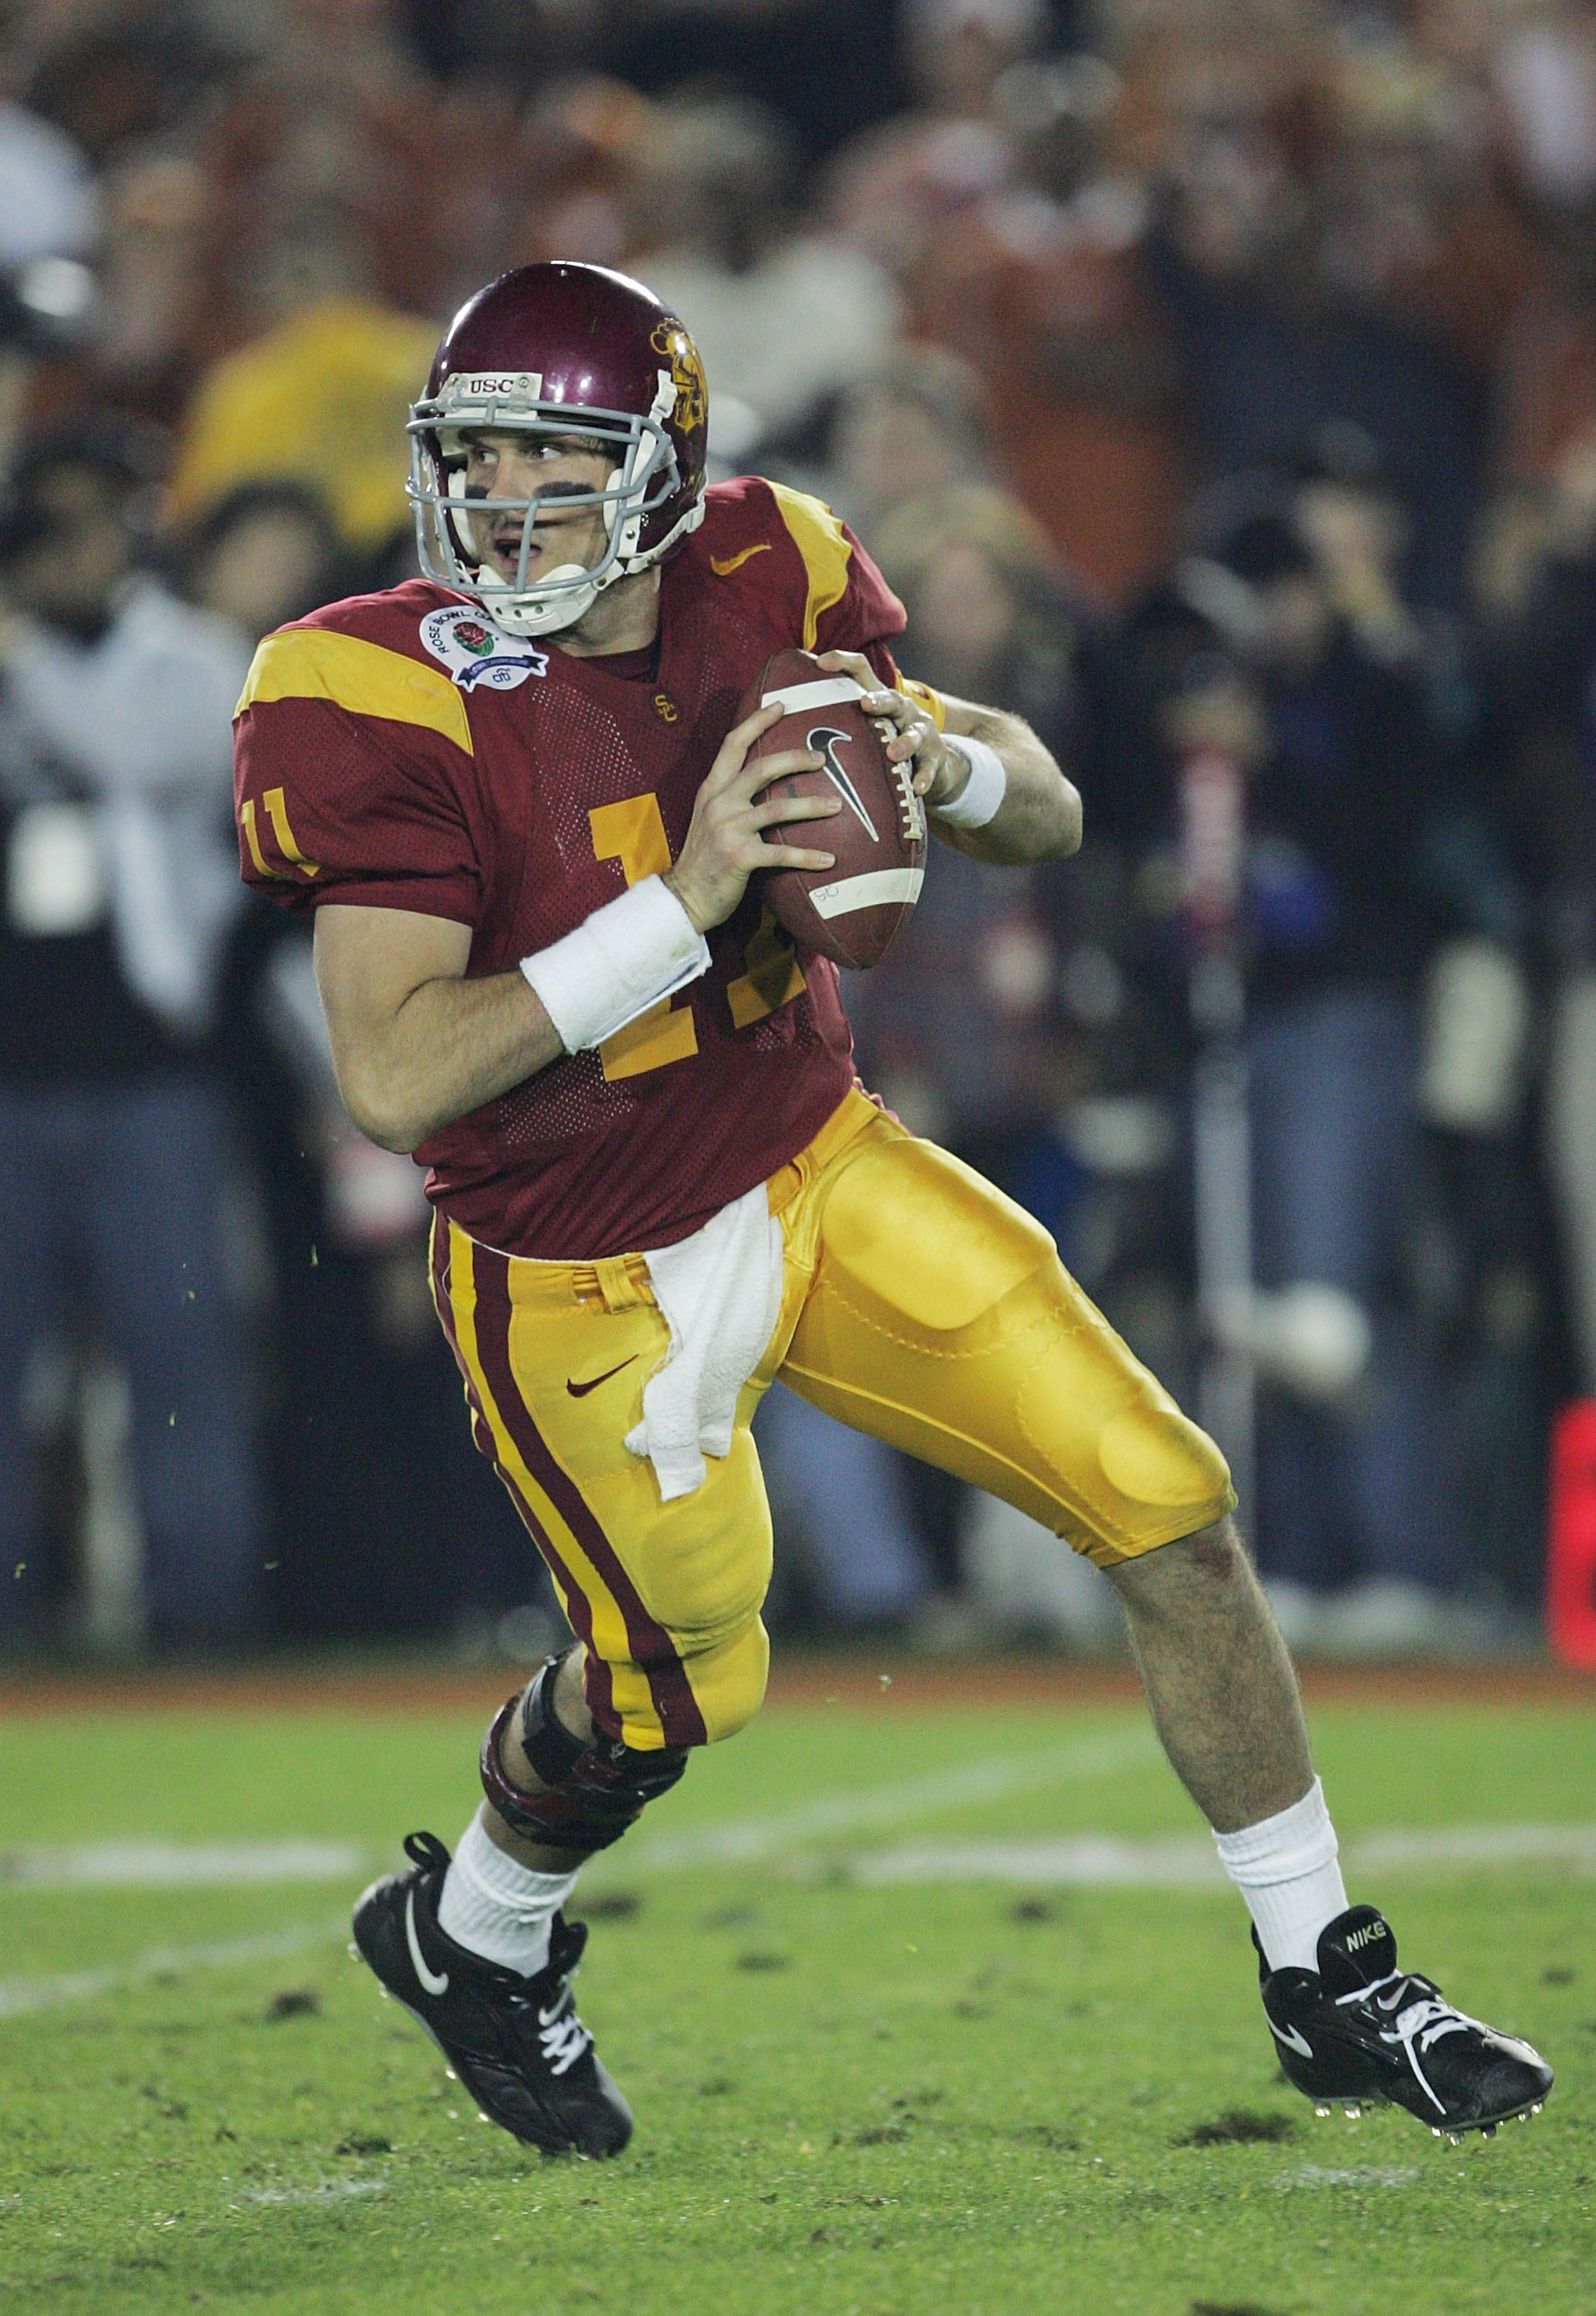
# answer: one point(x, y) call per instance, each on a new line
point(1358, 2032)
point(516, 2043)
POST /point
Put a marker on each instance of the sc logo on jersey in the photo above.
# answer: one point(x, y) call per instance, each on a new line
point(474, 652)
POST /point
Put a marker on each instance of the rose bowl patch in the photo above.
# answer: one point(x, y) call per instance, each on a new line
point(476, 651)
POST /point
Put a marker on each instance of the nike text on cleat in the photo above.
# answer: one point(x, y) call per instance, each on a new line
point(1358, 2030)
point(516, 2043)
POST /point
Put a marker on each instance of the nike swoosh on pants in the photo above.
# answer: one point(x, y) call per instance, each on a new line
point(580, 1390)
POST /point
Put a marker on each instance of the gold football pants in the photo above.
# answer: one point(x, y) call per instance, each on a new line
point(920, 1305)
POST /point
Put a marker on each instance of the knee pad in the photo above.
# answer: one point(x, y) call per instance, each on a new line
point(591, 1793)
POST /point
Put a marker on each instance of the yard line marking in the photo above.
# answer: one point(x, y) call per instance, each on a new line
point(325, 2191)
point(1105, 1861)
point(181, 1865)
point(1093, 1861)
point(1479, 1845)
point(171, 1864)
point(18, 1995)
point(1361, 2175)
point(929, 1796)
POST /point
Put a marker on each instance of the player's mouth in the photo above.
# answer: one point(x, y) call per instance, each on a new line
point(504, 549)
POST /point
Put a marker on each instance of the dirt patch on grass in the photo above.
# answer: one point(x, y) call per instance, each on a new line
point(1230, 2307)
point(1237, 2127)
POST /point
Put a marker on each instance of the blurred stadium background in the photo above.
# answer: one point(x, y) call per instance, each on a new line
point(1217, 385)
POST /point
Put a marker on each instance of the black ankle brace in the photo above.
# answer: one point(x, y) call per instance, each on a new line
point(550, 1747)
point(591, 1792)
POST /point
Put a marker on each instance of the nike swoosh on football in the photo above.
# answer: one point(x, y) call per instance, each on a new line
point(723, 566)
point(436, 1982)
point(1292, 2040)
point(580, 1390)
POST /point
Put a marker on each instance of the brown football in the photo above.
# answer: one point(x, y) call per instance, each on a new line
point(852, 913)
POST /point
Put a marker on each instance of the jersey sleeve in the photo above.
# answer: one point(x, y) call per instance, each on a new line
point(347, 779)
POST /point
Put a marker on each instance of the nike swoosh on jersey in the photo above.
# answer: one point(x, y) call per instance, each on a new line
point(723, 566)
point(1292, 2040)
point(580, 1390)
point(436, 1982)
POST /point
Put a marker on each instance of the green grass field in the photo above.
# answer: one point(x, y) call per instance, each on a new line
point(867, 2076)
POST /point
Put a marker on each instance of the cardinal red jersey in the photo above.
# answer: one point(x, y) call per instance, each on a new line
point(396, 750)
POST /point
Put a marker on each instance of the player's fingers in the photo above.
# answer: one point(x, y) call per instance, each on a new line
point(910, 739)
point(733, 749)
point(760, 770)
point(771, 810)
point(893, 705)
point(792, 856)
point(850, 662)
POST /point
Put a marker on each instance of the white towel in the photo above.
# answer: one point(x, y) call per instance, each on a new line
point(721, 1292)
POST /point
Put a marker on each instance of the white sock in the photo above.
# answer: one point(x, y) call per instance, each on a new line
point(1285, 1867)
point(498, 1909)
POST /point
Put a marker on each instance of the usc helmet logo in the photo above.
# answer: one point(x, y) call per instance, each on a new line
point(687, 373)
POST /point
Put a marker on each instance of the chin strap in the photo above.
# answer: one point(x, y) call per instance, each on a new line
point(531, 616)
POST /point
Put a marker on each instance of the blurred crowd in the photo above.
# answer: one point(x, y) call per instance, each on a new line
point(1215, 385)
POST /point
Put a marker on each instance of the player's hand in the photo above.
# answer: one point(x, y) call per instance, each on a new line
point(723, 846)
point(939, 771)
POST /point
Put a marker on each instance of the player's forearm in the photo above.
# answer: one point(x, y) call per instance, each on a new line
point(1039, 816)
point(450, 1046)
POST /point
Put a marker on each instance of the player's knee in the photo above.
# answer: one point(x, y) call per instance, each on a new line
point(727, 1678)
point(1166, 1470)
point(1135, 1471)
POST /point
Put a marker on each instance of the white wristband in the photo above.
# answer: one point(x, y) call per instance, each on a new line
point(978, 800)
point(617, 963)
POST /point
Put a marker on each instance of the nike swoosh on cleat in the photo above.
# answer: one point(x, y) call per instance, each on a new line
point(723, 566)
point(580, 1390)
point(1292, 2040)
point(435, 1982)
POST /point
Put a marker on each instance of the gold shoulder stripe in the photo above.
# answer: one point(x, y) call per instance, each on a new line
point(365, 679)
point(818, 535)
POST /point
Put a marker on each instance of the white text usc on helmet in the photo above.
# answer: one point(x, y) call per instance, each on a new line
point(493, 385)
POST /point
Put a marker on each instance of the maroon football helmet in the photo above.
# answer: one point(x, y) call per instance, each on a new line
point(555, 349)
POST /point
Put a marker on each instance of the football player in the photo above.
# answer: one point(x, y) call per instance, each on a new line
point(515, 797)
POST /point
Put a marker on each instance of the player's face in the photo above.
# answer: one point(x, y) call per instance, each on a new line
point(544, 469)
